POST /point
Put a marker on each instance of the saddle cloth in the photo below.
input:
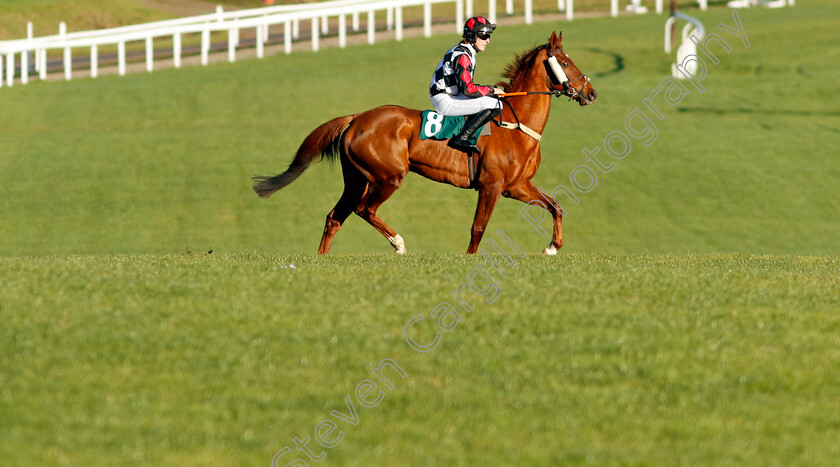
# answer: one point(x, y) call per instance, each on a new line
point(436, 126)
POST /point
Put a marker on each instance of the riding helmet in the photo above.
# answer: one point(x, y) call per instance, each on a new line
point(477, 25)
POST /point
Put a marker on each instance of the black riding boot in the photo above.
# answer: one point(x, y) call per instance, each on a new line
point(462, 141)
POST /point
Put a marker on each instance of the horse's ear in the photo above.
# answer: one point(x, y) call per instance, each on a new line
point(555, 39)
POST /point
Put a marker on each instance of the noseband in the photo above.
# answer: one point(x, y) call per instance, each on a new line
point(568, 90)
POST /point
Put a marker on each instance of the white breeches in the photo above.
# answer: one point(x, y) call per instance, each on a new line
point(461, 105)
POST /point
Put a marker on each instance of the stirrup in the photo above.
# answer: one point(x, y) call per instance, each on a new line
point(463, 144)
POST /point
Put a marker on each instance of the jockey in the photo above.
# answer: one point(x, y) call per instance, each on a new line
point(452, 90)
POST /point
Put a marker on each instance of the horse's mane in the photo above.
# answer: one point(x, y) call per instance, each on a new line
point(518, 68)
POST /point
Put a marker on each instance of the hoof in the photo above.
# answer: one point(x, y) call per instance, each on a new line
point(550, 250)
point(398, 244)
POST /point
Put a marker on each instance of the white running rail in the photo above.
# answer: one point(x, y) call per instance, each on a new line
point(17, 53)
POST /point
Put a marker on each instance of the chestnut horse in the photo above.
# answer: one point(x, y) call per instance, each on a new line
point(378, 148)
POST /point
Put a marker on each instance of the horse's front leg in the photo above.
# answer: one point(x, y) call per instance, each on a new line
point(487, 198)
point(527, 193)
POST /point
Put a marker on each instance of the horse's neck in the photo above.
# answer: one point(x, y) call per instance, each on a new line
point(532, 110)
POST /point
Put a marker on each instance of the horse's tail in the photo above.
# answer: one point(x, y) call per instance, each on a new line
point(322, 143)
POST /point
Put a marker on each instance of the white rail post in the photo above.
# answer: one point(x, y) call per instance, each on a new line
point(260, 41)
point(68, 64)
point(296, 28)
point(94, 61)
point(1, 71)
point(10, 69)
point(659, 7)
point(371, 27)
point(469, 9)
point(614, 8)
point(356, 20)
point(491, 10)
point(121, 57)
point(389, 19)
point(266, 32)
point(325, 25)
point(68, 58)
point(427, 19)
point(38, 53)
point(509, 6)
point(315, 34)
point(342, 30)
point(399, 21)
point(150, 54)
point(236, 32)
point(231, 44)
point(570, 10)
point(42, 71)
point(561, 5)
point(459, 15)
point(24, 67)
point(176, 50)
point(287, 37)
point(30, 34)
point(205, 46)
point(529, 11)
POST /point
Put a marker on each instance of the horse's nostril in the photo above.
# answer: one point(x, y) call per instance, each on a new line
point(592, 95)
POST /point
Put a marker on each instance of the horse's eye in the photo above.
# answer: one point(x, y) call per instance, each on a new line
point(565, 64)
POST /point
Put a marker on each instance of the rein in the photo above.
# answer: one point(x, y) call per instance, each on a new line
point(528, 93)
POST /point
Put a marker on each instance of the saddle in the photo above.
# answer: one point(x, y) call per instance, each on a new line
point(438, 127)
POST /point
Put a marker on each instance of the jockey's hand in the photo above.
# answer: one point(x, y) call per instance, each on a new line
point(497, 91)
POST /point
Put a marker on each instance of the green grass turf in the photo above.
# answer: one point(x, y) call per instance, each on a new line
point(690, 318)
point(612, 359)
point(78, 15)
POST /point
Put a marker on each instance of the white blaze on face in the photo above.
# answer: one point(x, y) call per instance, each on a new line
point(557, 69)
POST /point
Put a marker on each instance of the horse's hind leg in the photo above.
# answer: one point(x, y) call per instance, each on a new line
point(355, 187)
point(377, 195)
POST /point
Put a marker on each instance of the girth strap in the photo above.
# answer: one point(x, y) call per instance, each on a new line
point(521, 127)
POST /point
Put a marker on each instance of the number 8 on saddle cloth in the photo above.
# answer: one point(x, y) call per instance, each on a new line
point(436, 126)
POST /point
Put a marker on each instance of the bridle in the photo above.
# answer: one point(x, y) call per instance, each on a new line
point(568, 90)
